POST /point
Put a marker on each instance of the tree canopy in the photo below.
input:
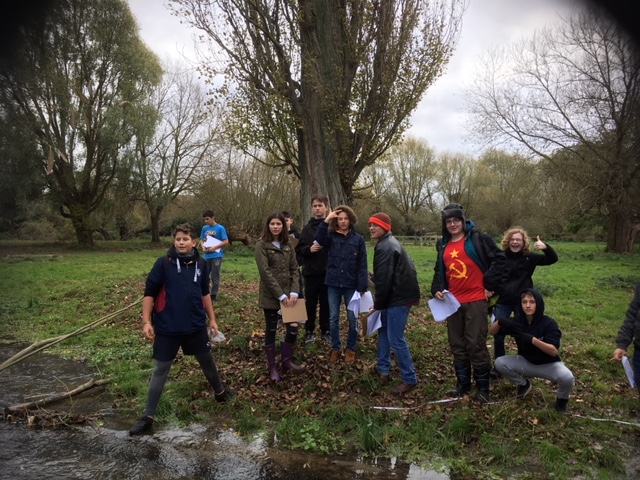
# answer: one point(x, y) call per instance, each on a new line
point(75, 85)
point(323, 88)
point(570, 95)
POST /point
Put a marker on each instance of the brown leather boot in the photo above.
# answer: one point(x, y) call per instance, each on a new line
point(350, 356)
point(335, 356)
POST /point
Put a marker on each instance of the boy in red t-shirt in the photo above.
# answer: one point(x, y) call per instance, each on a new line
point(470, 265)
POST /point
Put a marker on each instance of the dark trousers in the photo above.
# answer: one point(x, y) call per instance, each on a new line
point(467, 331)
point(271, 328)
point(316, 293)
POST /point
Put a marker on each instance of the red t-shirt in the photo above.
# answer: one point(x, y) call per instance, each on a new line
point(464, 276)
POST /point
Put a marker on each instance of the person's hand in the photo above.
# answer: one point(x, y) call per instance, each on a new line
point(148, 331)
point(332, 214)
point(439, 295)
point(292, 300)
point(540, 245)
point(524, 337)
point(488, 293)
point(213, 326)
point(315, 247)
point(508, 326)
point(618, 354)
point(505, 323)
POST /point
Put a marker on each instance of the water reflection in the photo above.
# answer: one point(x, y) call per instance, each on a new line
point(106, 451)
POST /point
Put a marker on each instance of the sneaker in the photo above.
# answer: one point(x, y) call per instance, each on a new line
point(522, 390)
point(335, 356)
point(311, 337)
point(349, 356)
point(403, 388)
point(561, 405)
point(326, 337)
point(142, 426)
point(226, 396)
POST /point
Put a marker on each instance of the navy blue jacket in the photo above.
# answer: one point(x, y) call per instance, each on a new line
point(178, 288)
point(346, 259)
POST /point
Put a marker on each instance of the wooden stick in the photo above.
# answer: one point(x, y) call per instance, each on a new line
point(55, 397)
point(43, 344)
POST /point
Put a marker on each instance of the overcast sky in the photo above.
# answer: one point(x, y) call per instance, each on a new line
point(439, 118)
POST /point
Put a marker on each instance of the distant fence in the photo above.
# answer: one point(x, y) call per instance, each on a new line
point(422, 240)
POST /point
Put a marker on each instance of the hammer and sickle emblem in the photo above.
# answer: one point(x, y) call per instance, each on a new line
point(460, 273)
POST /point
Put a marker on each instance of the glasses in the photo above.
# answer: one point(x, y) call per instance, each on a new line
point(452, 221)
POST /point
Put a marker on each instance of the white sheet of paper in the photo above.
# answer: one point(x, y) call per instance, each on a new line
point(443, 309)
point(360, 303)
point(212, 242)
point(374, 322)
point(629, 371)
point(354, 303)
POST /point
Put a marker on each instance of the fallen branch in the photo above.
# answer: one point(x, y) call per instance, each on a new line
point(55, 398)
point(39, 346)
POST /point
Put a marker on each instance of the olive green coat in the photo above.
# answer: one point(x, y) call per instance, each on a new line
point(279, 273)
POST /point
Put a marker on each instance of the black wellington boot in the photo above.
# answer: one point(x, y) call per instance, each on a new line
point(463, 375)
point(482, 377)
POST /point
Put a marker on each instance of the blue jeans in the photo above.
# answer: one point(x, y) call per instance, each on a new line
point(501, 311)
point(391, 337)
point(336, 297)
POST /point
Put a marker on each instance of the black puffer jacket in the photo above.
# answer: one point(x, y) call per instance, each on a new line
point(630, 330)
point(394, 275)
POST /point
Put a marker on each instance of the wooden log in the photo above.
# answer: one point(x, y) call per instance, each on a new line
point(57, 397)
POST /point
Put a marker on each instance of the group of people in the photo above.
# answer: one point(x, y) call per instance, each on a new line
point(328, 262)
point(479, 273)
point(333, 258)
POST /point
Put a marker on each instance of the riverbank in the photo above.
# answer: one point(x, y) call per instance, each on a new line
point(342, 408)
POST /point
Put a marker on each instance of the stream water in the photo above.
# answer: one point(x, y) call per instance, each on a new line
point(106, 451)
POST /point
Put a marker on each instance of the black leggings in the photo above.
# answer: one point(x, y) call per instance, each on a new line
point(161, 372)
point(271, 319)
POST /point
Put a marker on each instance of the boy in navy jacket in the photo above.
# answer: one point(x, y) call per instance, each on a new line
point(176, 304)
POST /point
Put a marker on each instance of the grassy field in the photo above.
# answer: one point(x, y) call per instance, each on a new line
point(51, 290)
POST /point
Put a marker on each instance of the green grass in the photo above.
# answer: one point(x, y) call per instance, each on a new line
point(55, 289)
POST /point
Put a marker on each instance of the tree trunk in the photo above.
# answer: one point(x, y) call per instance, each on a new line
point(319, 156)
point(622, 231)
point(155, 226)
point(80, 222)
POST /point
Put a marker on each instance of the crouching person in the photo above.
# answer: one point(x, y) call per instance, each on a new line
point(538, 339)
point(177, 294)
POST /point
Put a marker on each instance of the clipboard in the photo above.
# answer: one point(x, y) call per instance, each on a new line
point(295, 314)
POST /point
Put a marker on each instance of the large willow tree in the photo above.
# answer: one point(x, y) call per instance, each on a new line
point(75, 84)
point(323, 88)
